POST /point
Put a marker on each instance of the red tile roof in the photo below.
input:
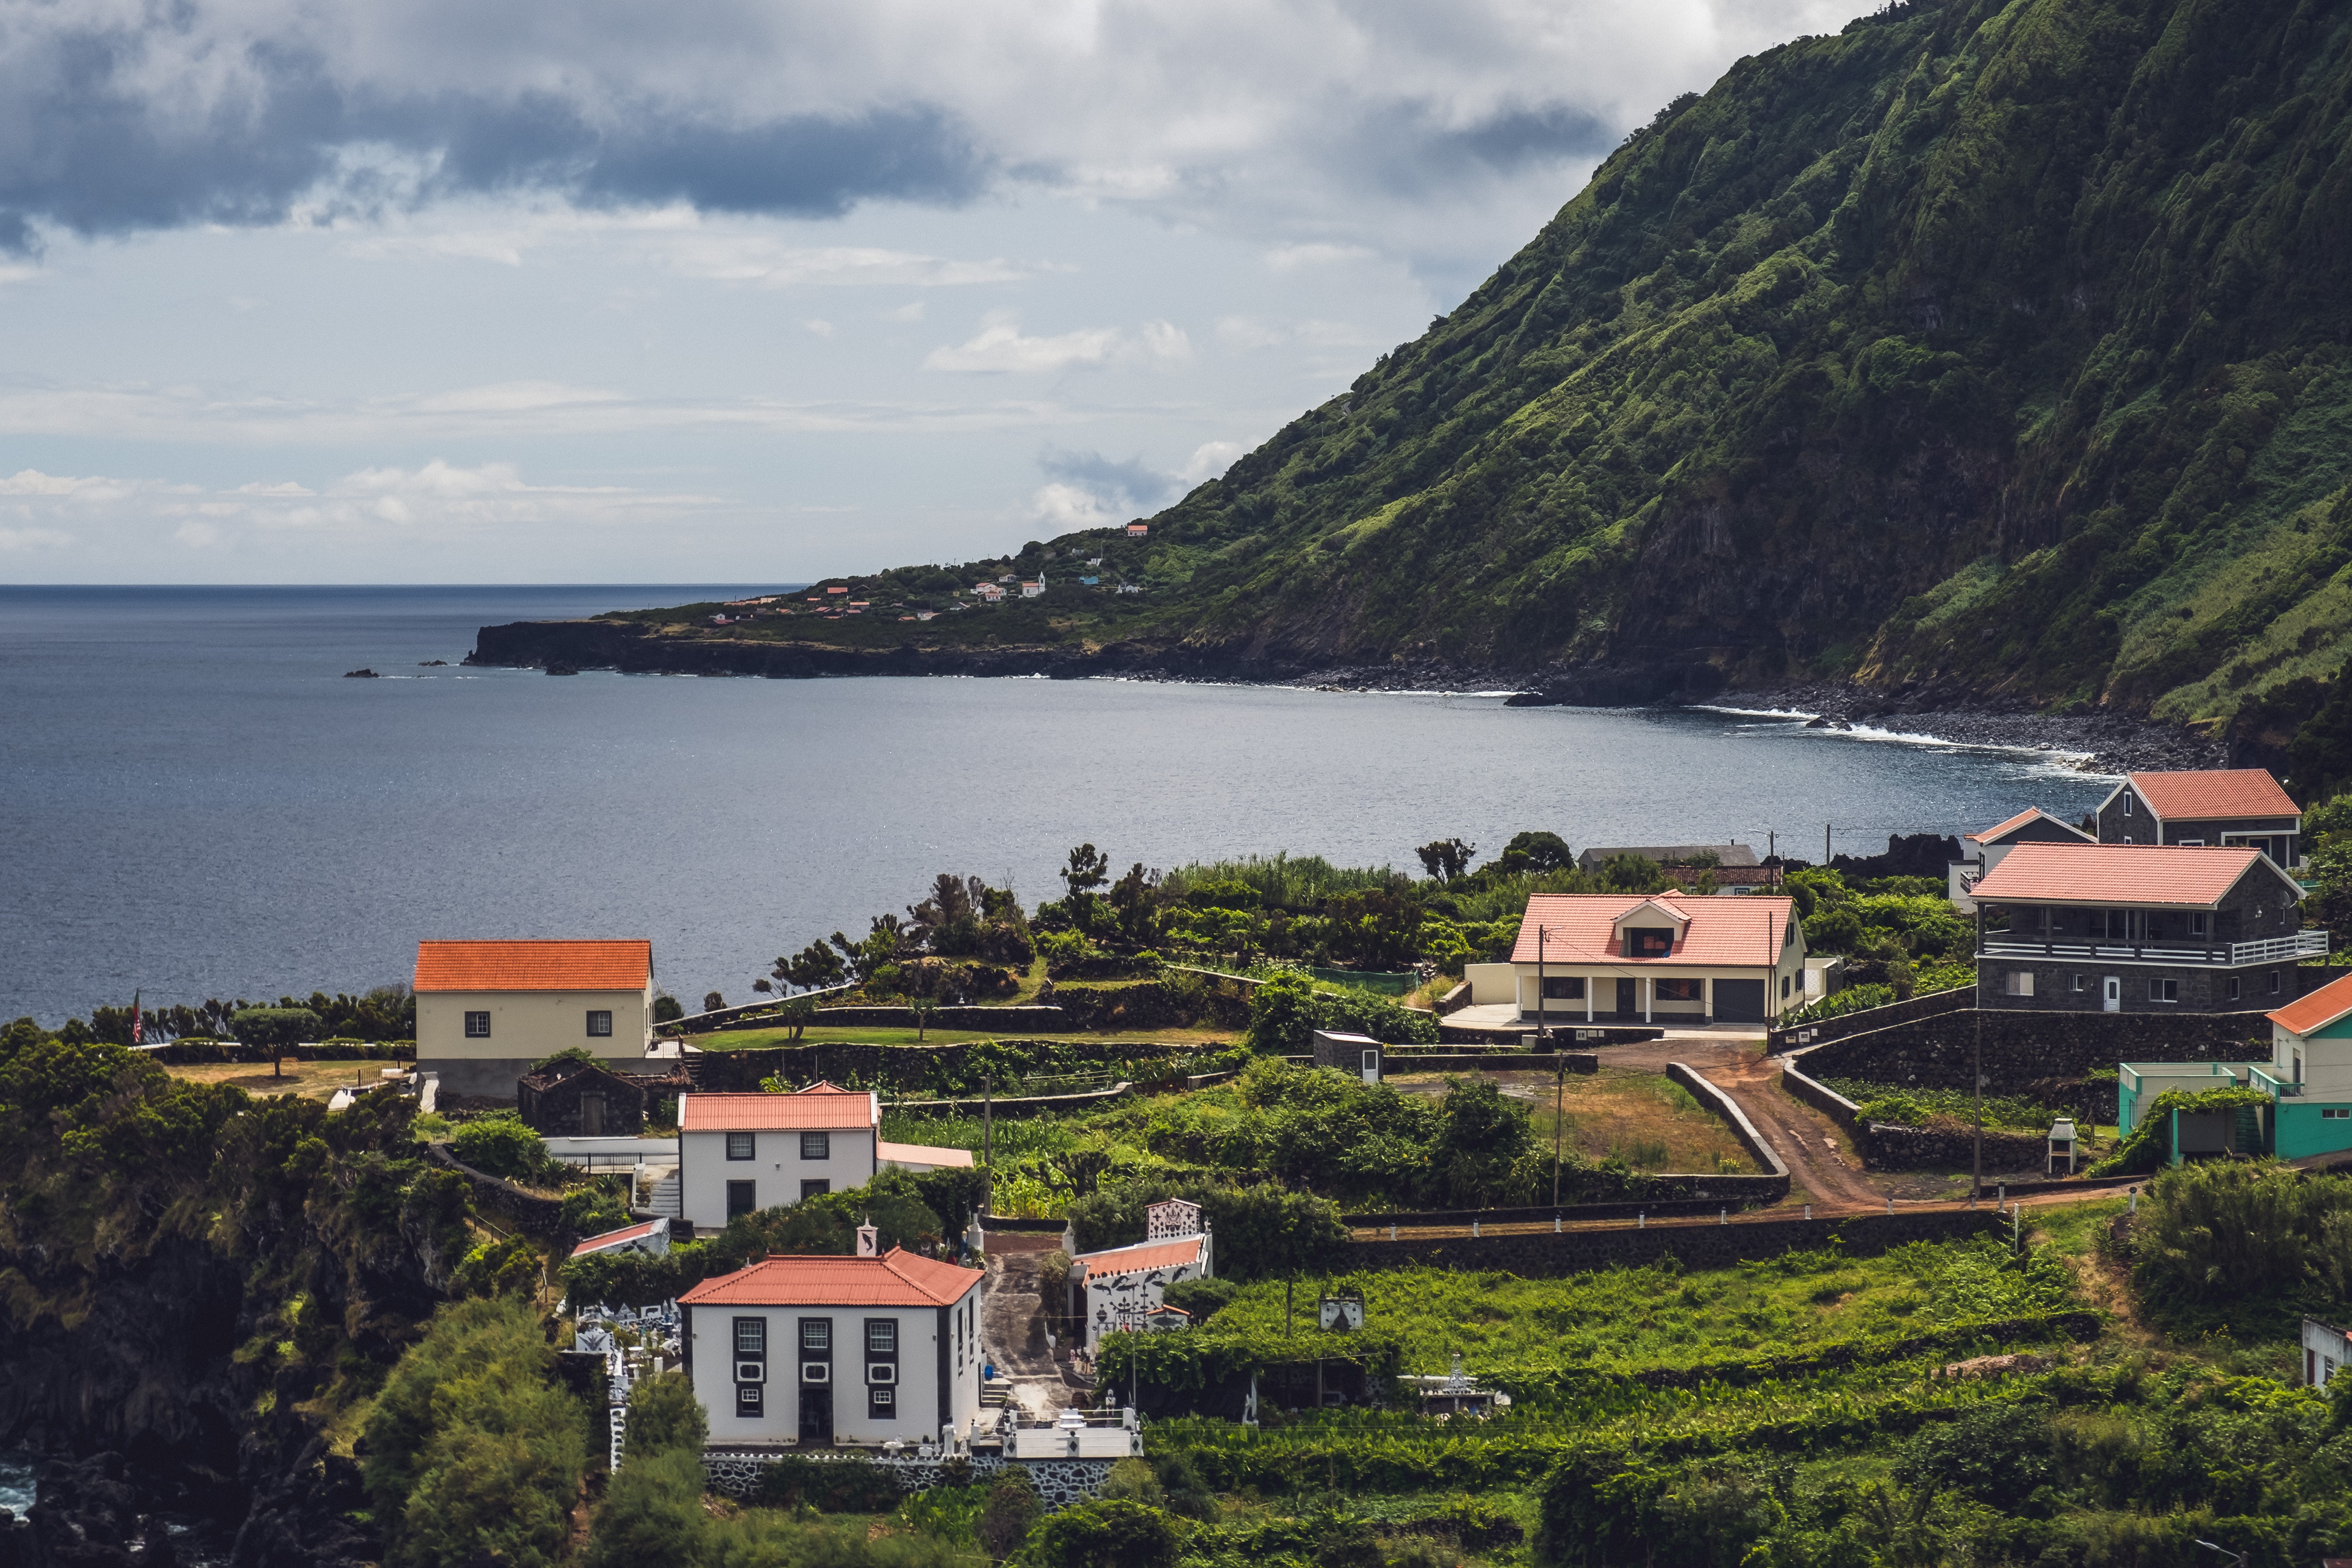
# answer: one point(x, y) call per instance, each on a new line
point(2317, 1010)
point(534, 966)
point(1138, 1258)
point(621, 1237)
point(897, 1279)
point(2024, 818)
point(777, 1112)
point(2214, 792)
point(1577, 928)
point(2117, 873)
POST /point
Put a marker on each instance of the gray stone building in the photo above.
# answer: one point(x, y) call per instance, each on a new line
point(2140, 929)
point(573, 1099)
point(2224, 807)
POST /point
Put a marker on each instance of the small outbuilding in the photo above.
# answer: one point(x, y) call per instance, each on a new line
point(574, 1099)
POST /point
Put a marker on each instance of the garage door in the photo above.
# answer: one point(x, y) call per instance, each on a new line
point(1739, 1001)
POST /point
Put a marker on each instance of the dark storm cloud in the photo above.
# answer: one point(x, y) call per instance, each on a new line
point(1405, 148)
point(85, 145)
point(1131, 486)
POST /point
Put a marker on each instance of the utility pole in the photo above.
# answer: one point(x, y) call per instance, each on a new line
point(1542, 1010)
point(988, 1141)
point(1559, 1107)
point(1976, 1180)
point(1825, 846)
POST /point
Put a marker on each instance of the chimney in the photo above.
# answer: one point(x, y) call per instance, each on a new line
point(868, 1241)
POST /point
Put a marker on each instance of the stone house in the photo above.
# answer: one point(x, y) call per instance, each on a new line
point(583, 1100)
point(2138, 928)
point(819, 1352)
point(1979, 853)
point(2227, 806)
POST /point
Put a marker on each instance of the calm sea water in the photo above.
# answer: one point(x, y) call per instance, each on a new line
point(193, 802)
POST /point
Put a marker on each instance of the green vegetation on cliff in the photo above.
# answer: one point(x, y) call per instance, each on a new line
point(1993, 346)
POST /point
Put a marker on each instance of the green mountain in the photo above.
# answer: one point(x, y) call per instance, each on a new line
point(1981, 351)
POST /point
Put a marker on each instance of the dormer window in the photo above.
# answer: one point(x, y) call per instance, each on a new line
point(1648, 942)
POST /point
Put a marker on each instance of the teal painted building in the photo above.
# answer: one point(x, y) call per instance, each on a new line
point(2307, 1080)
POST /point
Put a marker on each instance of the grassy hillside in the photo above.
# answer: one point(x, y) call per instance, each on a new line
point(1980, 350)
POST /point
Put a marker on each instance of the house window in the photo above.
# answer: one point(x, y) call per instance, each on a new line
point(1679, 990)
point(882, 1336)
point(2077, 985)
point(1646, 942)
point(2127, 838)
point(600, 1024)
point(1785, 982)
point(2275, 982)
point(816, 1336)
point(1564, 988)
point(2190, 843)
point(741, 1146)
point(2337, 1114)
point(881, 1403)
point(2017, 983)
point(749, 1401)
point(742, 1199)
point(751, 1337)
point(814, 1188)
point(2128, 807)
point(2197, 923)
point(478, 1025)
point(2164, 990)
point(816, 1145)
point(2234, 988)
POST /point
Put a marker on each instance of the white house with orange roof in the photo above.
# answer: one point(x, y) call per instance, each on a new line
point(1115, 1290)
point(485, 1011)
point(1979, 853)
point(2220, 807)
point(1667, 957)
point(738, 1154)
point(2140, 929)
point(815, 1352)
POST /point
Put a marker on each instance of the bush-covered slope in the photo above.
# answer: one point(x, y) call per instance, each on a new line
point(1989, 349)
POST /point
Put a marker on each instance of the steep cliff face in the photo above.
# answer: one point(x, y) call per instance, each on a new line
point(1996, 347)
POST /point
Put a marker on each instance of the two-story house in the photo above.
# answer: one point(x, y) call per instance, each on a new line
point(2218, 806)
point(487, 1011)
point(1662, 958)
point(2139, 928)
point(811, 1352)
point(1979, 853)
point(2309, 1077)
point(738, 1154)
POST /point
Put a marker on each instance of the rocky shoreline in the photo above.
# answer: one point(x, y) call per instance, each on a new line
point(2099, 743)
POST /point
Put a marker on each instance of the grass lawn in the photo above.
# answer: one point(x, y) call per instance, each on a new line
point(311, 1080)
point(762, 1039)
point(1645, 1119)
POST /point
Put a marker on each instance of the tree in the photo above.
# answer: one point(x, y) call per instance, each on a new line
point(1136, 898)
point(796, 1012)
point(815, 968)
point(1532, 854)
point(665, 1008)
point(922, 1007)
point(1480, 1135)
point(1633, 874)
point(663, 1414)
point(276, 1028)
point(1282, 1015)
point(712, 1001)
point(1088, 869)
point(1011, 1511)
point(1108, 1532)
point(652, 1513)
point(1447, 859)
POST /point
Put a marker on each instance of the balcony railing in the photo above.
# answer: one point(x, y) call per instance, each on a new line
point(2228, 954)
point(2276, 1088)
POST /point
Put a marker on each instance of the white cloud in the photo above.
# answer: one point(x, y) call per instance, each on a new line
point(1291, 258)
point(909, 313)
point(999, 345)
point(1066, 507)
point(27, 540)
point(513, 397)
point(818, 328)
point(196, 534)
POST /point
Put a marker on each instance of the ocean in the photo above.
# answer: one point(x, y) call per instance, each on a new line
point(193, 802)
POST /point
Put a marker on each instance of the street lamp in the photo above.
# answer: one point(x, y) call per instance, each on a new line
point(2236, 1557)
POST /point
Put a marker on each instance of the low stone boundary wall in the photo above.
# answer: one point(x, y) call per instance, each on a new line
point(2080, 1326)
point(2022, 1046)
point(1394, 1060)
point(1565, 1032)
point(1547, 1255)
point(1675, 1196)
point(1059, 1482)
point(899, 1067)
point(1822, 1032)
point(532, 1213)
point(1723, 1105)
point(1029, 1105)
point(207, 1052)
point(1885, 1147)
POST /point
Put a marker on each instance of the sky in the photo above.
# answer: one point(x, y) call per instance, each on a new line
point(739, 290)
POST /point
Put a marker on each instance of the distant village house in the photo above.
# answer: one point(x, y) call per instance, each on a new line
point(487, 1011)
point(739, 1153)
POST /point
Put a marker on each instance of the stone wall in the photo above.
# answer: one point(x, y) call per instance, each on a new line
point(1400, 1060)
point(894, 1067)
point(1547, 1255)
point(1723, 1105)
point(1892, 1148)
point(2028, 1047)
point(1932, 1005)
point(1059, 1482)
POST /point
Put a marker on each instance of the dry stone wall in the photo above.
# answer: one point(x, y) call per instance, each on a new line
point(1547, 1255)
point(736, 1472)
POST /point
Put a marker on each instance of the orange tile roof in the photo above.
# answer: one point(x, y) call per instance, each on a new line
point(1138, 1258)
point(776, 1112)
point(2117, 873)
point(2317, 1010)
point(2214, 792)
point(620, 1237)
point(897, 1279)
point(1577, 928)
point(920, 1153)
point(2022, 818)
point(626, 966)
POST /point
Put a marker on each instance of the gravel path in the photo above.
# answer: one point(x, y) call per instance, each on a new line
point(1013, 1325)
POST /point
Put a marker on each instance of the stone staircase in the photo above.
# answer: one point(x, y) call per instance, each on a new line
point(669, 1198)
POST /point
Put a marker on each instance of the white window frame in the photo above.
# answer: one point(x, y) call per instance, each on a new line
point(478, 1024)
point(599, 1023)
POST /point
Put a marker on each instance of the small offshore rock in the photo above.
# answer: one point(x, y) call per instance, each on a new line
point(431, 664)
point(556, 669)
point(361, 674)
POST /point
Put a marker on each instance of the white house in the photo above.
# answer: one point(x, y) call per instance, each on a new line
point(818, 1351)
point(738, 1154)
point(487, 1010)
point(1033, 589)
point(1667, 957)
point(1117, 1289)
point(2325, 1349)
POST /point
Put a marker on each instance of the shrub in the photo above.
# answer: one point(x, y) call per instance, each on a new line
point(499, 1144)
point(663, 1414)
point(1282, 1015)
point(508, 1268)
point(2230, 1235)
point(1011, 1511)
point(1202, 1298)
point(652, 1513)
point(1108, 1532)
point(592, 1211)
point(844, 1486)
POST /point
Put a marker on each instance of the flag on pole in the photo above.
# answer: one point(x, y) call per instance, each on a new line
point(138, 1029)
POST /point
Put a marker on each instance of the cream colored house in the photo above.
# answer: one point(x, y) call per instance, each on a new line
point(1667, 957)
point(487, 1010)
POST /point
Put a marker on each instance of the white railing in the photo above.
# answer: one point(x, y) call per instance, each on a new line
point(2277, 949)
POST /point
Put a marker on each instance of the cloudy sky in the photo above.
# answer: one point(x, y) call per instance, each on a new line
point(433, 291)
